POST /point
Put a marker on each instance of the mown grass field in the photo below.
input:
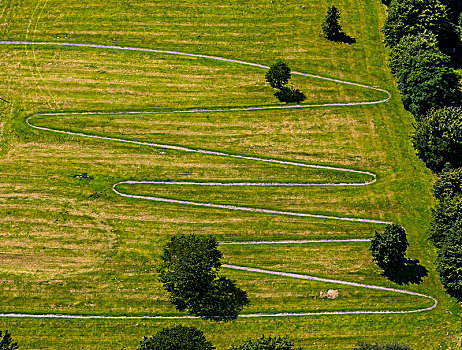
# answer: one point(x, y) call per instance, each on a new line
point(72, 246)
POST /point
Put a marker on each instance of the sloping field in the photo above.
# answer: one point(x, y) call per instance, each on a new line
point(72, 246)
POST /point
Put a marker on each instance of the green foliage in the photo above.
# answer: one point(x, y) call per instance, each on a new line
point(331, 26)
point(438, 139)
point(449, 265)
point(403, 56)
point(278, 75)
point(389, 248)
point(382, 346)
point(7, 342)
point(266, 343)
point(448, 185)
point(176, 338)
point(289, 94)
point(454, 9)
point(424, 74)
point(411, 17)
point(446, 220)
point(189, 272)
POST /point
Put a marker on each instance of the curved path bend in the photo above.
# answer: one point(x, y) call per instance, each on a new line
point(372, 179)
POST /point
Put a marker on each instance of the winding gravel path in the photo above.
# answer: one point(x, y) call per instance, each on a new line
point(372, 180)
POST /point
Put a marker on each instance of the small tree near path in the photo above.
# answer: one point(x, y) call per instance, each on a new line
point(389, 248)
point(189, 272)
point(278, 75)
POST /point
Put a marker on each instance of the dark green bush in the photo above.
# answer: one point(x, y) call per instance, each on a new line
point(176, 338)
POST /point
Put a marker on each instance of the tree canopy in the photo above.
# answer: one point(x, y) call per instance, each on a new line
point(449, 265)
point(389, 248)
point(176, 338)
point(278, 75)
point(266, 343)
point(7, 343)
point(438, 138)
point(446, 220)
point(331, 25)
point(411, 17)
point(424, 74)
point(448, 185)
point(189, 272)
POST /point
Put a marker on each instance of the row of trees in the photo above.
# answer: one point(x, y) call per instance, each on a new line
point(446, 230)
point(419, 32)
point(191, 338)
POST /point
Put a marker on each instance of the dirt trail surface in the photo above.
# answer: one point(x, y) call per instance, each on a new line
point(372, 180)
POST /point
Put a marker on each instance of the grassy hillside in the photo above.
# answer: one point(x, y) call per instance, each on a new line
point(72, 246)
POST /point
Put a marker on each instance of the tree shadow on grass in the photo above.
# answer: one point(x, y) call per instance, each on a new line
point(344, 38)
point(411, 272)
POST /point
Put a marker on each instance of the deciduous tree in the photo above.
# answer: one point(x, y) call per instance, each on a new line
point(278, 75)
point(189, 272)
point(389, 248)
point(411, 17)
point(438, 139)
point(449, 265)
point(176, 338)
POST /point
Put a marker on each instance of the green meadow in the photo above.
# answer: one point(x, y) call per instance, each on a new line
point(70, 245)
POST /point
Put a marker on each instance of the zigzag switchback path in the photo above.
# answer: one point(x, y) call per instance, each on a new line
point(373, 179)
